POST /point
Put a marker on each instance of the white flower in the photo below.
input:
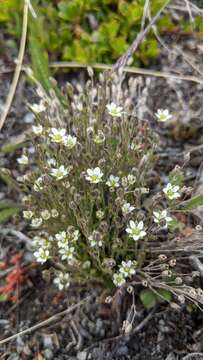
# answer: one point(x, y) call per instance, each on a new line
point(127, 208)
point(70, 141)
point(94, 242)
point(51, 162)
point(100, 214)
point(67, 253)
point(113, 181)
point(45, 214)
point(42, 255)
point(59, 173)
point(127, 268)
point(114, 110)
point(54, 213)
point(36, 222)
point(118, 279)
point(62, 280)
point(37, 129)
point(99, 138)
point(163, 115)
point(94, 176)
point(172, 191)
point(136, 230)
point(62, 239)
point(42, 242)
point(57, 135)
point(38, 108)
point(161, 216)
point(28, 214)
point(23, 160)
point(38, 185)
point(131, 179)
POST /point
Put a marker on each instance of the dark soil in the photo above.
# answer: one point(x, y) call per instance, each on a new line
point(170, 333)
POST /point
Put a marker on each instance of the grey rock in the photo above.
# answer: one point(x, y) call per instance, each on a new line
point(122, 351)
point(171, 356)
point(82, 355)
point(48, 354)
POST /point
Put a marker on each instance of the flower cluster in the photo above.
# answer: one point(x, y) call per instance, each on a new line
point(87, 195)
point(126, 270)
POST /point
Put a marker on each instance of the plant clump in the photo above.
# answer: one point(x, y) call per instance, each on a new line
point(94, 211)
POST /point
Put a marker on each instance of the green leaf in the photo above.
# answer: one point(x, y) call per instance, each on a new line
point(69, 11)
point(6, 214)
point(176, 177)
point(39, 56)
point(175, 225)
point(164, 295)
point(148, 298)
point(5, 175)
point(3, 297)
point(192, 203)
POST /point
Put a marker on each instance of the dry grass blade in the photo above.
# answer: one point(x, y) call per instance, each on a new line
point(128, 69)
point(18, 66)
point(123, 60)
point(45, 322)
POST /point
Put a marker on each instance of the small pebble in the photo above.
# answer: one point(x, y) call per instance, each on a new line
point(48, 354)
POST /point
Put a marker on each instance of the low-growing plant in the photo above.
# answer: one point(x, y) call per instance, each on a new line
point(96, 210)
point(90, 31)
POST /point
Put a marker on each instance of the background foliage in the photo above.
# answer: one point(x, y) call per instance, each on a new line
point(88, 31)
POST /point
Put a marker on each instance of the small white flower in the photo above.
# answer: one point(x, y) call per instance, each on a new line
point(113, 181)
point(136, 230)
point(172, 191)
point(94, 242)
point(36, 222)
point(100, 214)
point(70, 141)
point(23, 160)
point(45, 214)
point(162, 217)
point(62, 280)
point(163, 115)
point(127, 268)
point(131, 179)
point(114, 110)
point(99, 138)
point(51, 162)
point(54, 213)
point(28, 214)
point(37, 129)
point(127, 208)
point(57, 135)
point(62, 239)
point(38, 185)
point(42, 255)
point(59, 173)
point(118, 279)
point(94, 176)
point(67, 253)
point(38, 108)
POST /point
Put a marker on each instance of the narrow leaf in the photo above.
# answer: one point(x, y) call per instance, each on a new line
point(192, 203)
point(6, 214)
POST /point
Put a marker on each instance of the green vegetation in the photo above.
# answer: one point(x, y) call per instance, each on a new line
point(88, 31)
